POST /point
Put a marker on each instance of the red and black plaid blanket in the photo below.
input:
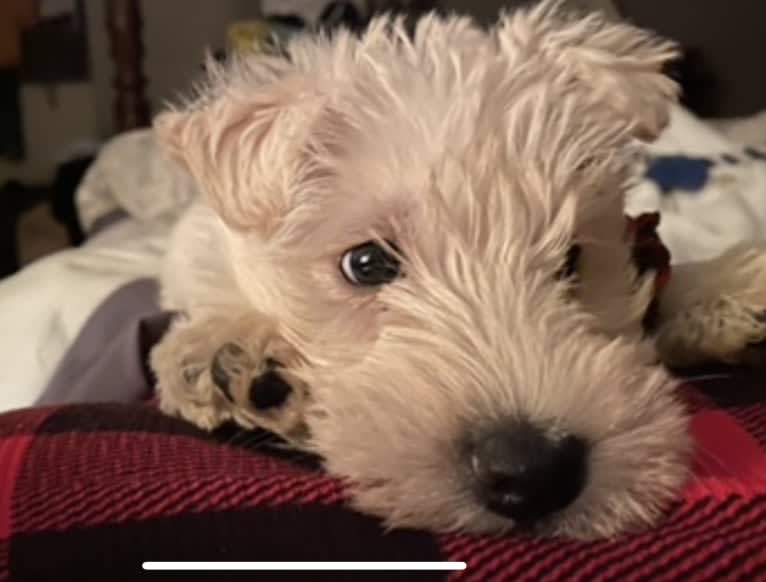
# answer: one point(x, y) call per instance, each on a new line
point(91, 491)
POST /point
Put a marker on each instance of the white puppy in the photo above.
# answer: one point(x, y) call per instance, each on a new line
point(413, 261)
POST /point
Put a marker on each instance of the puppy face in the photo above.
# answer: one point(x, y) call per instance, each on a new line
point(406, 209)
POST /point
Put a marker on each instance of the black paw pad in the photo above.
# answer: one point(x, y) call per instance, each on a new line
point(269, 390)
point(221, 364)
point(190, 374)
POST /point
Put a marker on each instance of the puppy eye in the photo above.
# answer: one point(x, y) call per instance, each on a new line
point(369, 264)
point(570, 264)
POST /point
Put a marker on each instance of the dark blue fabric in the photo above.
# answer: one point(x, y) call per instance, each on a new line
point(679, 173)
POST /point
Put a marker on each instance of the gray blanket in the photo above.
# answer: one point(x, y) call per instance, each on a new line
point(108, 361)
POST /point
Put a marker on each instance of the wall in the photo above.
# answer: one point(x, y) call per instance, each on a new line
point(176, 34)
point(487, 10)
point(729, 37)
point(56, 119)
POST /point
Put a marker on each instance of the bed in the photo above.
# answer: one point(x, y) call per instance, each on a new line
point(94, 480)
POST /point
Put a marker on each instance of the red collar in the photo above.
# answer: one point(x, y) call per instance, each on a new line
point(649, 254)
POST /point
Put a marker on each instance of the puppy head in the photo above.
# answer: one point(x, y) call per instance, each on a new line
point(414, 201)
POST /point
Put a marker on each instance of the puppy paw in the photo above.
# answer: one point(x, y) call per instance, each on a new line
point(213, 370)
point(180, 362)
point(727, 330)
point(253, 376)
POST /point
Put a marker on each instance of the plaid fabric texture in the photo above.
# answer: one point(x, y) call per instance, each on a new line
point(88, 492)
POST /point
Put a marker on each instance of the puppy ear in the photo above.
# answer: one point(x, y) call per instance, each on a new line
point(621, 64)
point(239, 144)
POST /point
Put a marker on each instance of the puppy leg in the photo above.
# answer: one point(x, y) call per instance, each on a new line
point(214, 369)
point(715, 311)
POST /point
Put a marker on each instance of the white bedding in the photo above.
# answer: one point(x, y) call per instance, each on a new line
point(43, 307)
point(702, 220)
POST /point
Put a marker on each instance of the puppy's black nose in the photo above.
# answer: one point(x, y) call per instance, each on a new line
point(523, 474)
point(269, 390)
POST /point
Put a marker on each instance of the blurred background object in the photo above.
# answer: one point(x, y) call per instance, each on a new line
point(16, 17)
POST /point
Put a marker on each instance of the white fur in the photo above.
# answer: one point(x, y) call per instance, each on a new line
point(483, 156)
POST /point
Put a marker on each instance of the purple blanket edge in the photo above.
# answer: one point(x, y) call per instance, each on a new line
point(108, 360)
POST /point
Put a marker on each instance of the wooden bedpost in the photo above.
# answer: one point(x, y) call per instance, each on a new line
point(124, 26)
